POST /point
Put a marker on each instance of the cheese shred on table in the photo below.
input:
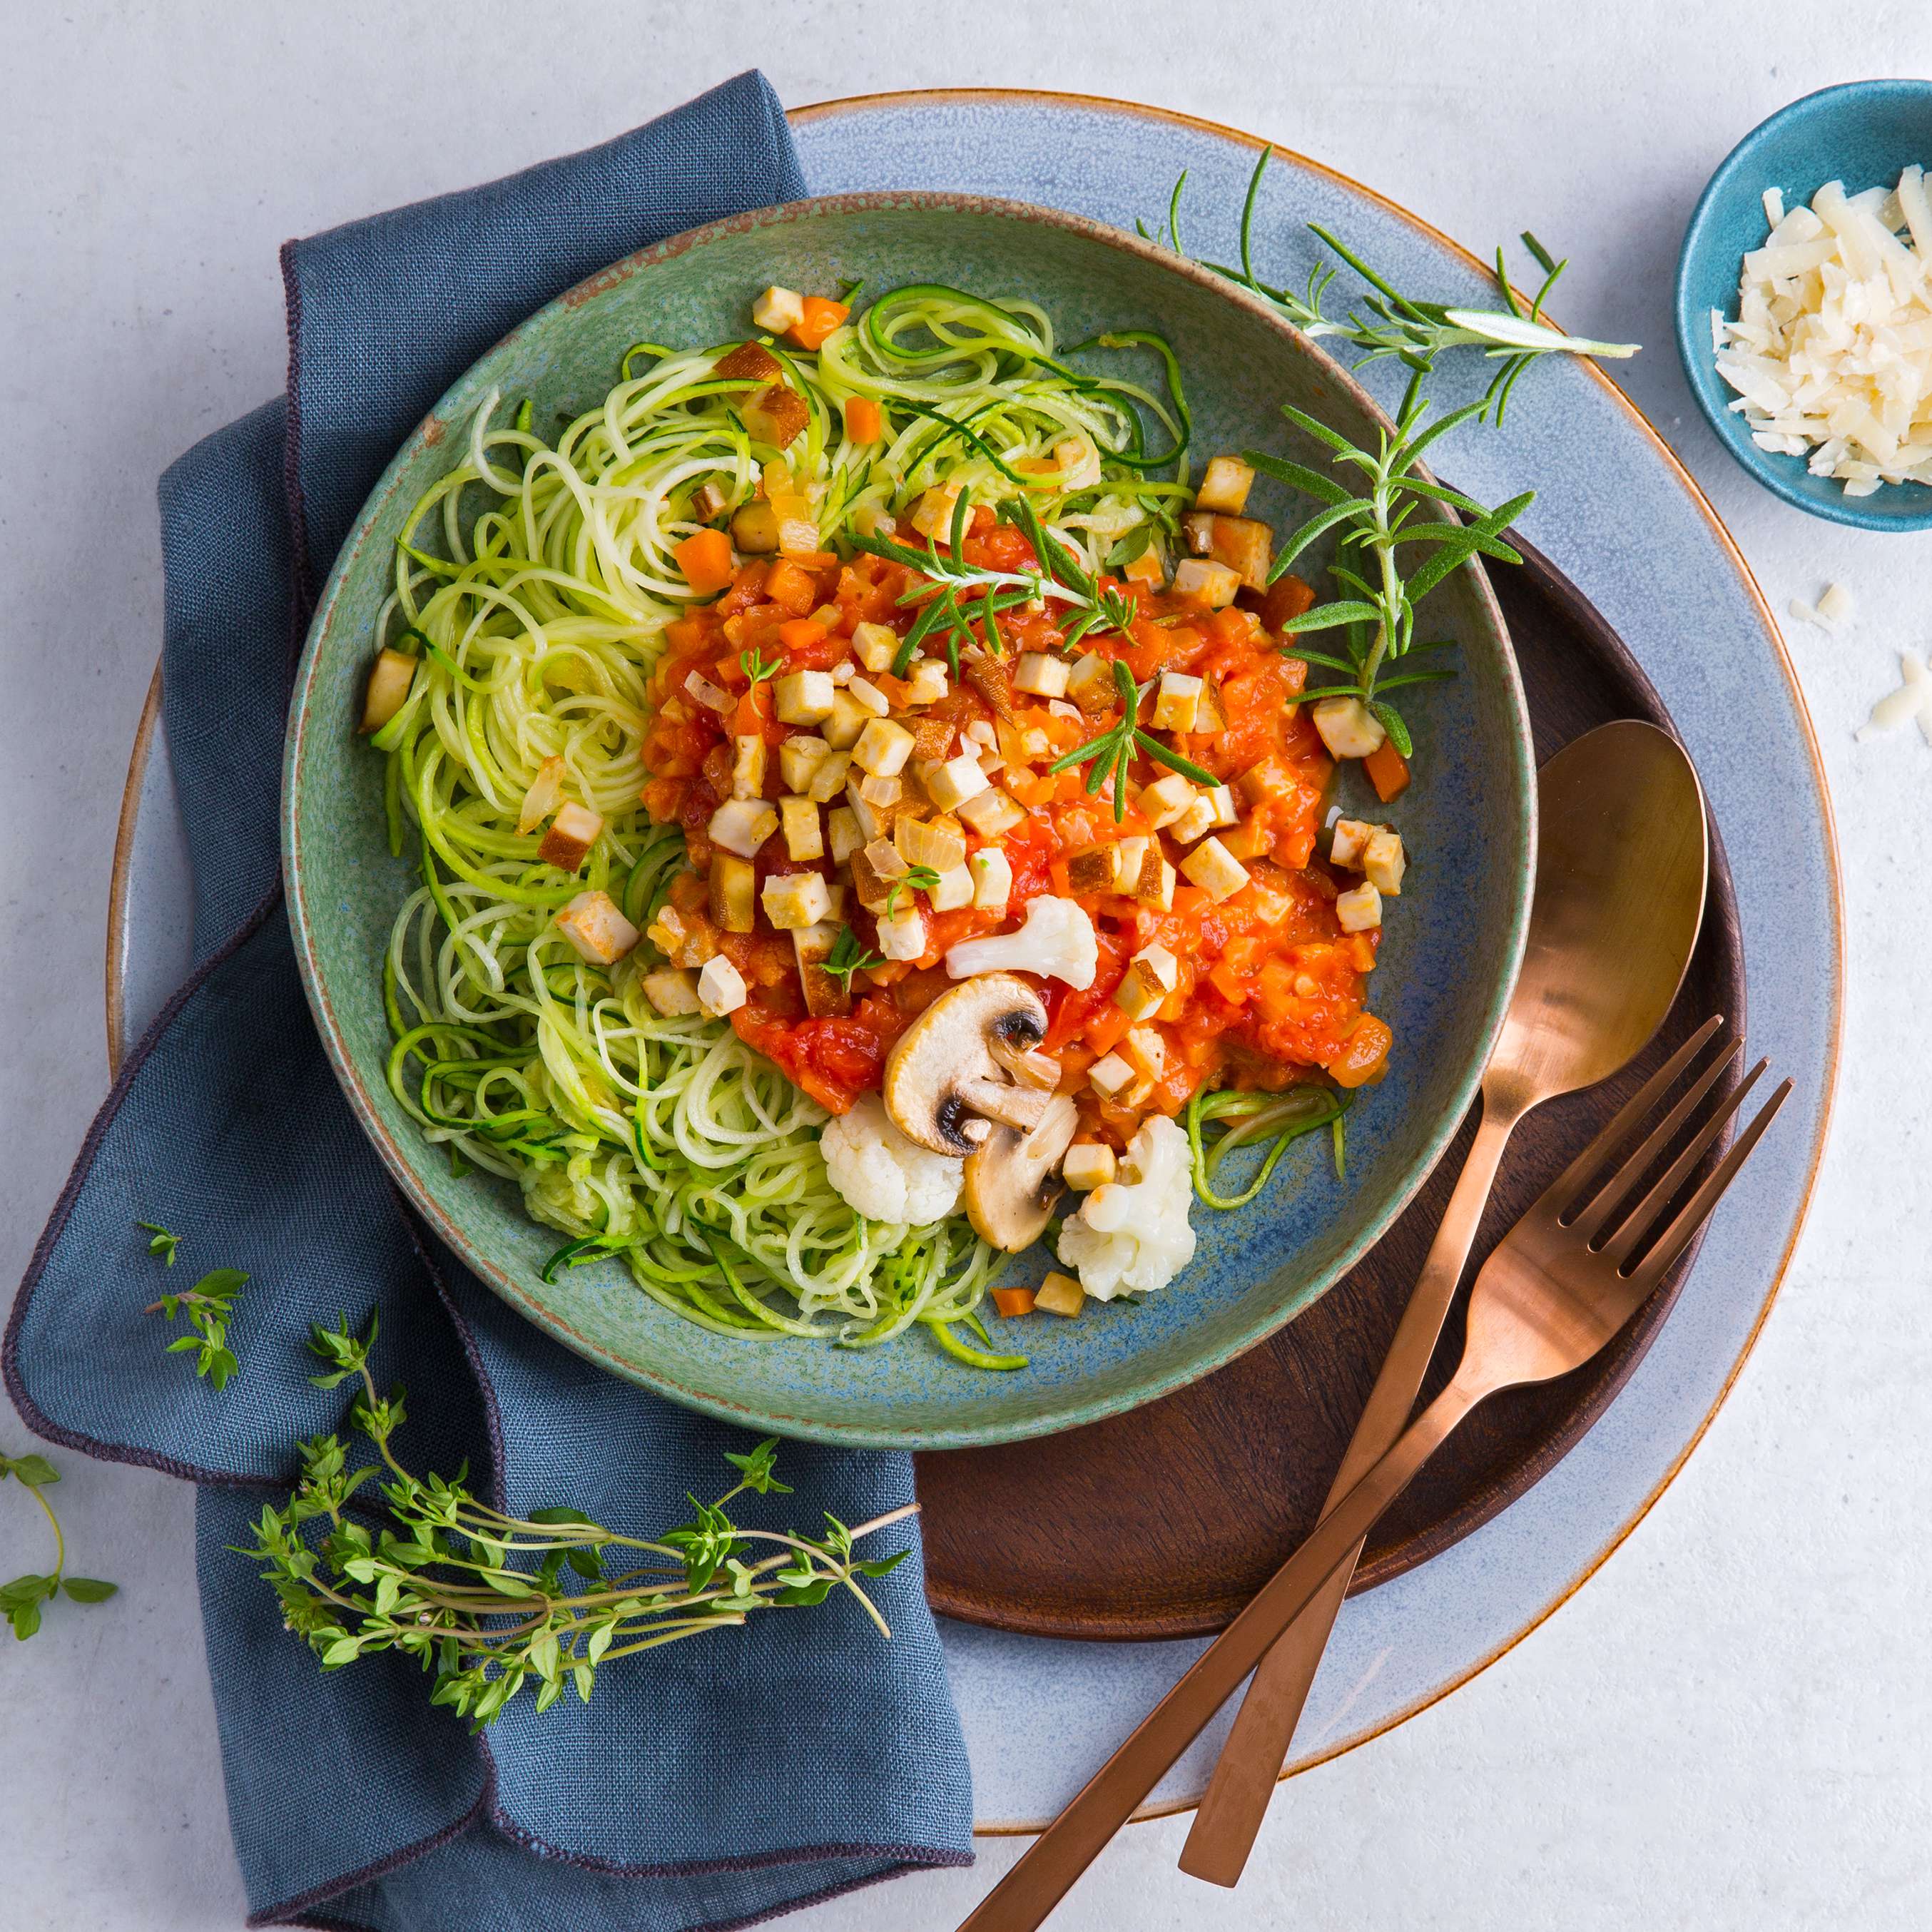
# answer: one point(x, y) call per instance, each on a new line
point(1831, 352)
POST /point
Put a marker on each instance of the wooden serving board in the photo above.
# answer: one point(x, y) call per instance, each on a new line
point(1163, 1522)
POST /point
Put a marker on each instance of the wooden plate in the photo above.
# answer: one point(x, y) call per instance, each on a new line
point(1163, 1522)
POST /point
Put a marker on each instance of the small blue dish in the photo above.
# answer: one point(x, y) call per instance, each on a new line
point(1861, 133)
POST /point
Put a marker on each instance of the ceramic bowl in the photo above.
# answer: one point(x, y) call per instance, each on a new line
point(1863, 134)
point(1453, 942)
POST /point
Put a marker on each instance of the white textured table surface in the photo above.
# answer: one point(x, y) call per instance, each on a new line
point(1725, 1728)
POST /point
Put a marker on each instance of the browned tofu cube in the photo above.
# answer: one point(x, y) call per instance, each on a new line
point(750, 362)
point(1091, 871)
point(775, 414)
point(734, 892)
point(572, 833)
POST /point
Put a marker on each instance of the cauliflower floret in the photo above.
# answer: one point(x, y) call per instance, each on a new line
point(1132, 1235)
point(1057, 942)
point(882, 1175)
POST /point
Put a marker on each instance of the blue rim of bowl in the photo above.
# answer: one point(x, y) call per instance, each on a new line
point(1693, 335)
point(458, 400)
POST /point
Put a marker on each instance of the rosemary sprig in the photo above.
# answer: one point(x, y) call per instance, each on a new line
point(20, 1600)
point(1113, 751)
point(1374, 523)
point(482, 1601)
point(209, 1305)
point(161, 1241)
point(1388, 323)
point(847, 957)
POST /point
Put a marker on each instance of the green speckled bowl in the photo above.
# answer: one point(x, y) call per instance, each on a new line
point(1449, 961)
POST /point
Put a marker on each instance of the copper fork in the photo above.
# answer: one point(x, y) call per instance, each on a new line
point(1565, 1278)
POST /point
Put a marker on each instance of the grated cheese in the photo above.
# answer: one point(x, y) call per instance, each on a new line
point(1832, 610)
point(1831, 353)
point(1912, 699)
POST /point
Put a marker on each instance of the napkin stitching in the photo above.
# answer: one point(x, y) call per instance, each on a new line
point(303, 602)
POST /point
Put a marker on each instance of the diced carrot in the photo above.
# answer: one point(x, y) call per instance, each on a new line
point(801, 633)
point(706, 560)
point(820, 318)
point(1386, 770)
point(1228, 983)
point(748, 716)
point(791, 588)
point(1274, 992)
point(685, 634)
point(1013, 1300)
point(1361, 950)
point(863, 423)
point(1106, 1029)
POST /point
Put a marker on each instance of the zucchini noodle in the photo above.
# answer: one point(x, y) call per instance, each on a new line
point(533, 584)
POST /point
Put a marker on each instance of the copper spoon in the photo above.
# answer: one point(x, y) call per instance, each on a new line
point(1564, 1282)
point(1620, 880)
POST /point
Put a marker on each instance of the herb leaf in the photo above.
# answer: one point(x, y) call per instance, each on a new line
point(162, 1243)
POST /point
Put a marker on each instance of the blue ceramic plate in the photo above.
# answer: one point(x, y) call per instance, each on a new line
point(1447, 964)
point(1862, 134)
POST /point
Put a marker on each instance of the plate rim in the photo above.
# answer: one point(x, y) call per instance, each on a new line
point(1075, 1410)
point(119, 883)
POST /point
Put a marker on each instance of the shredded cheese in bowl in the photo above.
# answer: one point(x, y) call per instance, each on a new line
point(1831, 352)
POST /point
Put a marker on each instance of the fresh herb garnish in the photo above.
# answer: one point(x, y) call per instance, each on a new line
point(482, 1601)
point(1388, 323)
point(208, 1304)
point(1111, 754)
point(162, 1243)
point(20, 1600)
point(755, 667)
point(847, 957)
point(918, 879)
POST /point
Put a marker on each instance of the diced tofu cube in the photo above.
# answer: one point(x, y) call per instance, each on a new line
point(990, 813)
point(873, 519)
point(992, 879)
point(939, 843)
point(1090, 870)
point(953, 890)
point(775, 414)
point(1078, 463)
point(875, 646)
point(1222, 799)
point(794, 900)
point(954, 781)
point(1176, 701)
point(1157, 887)
point(1130, 855)
point(1091, 681)
point(1161, 803)
point(748, 362)
point(1225, 485)
point(1110, 1075)
point(883, 747)
point(902, 936)
point(1088, 1164)
point(1197, 529)
point(600, 932)
point(1348, 727)
point(1196, 822)
point(1250, 839)
point(742, 825)
point(755, 528)
point(1216, 870)
point(1151, 975)
point(846, 719)
point(390, 678)
point(572, 833)
point(1271, 778)
point(1061, 1294)
point(1040, 675)
point(1384, 861)
point(747, 767)
point(671, 990)
point(1347, 842)
point(932, 514)
point(798, 758)
point(804, 834)
point(1246, 546)
point(869, 694)
point(875, 821)
point(778, 310)
point(927, 684)
point(835, 768)
point(798, 526)
point(825, 994)
point(1146, 570)
point(707, 503)
point(842, 828)
point(804, 697)
point(1206, 582)
point(721, 987)
point(1360, 908)
point(733, 883)
point(1145, 1051)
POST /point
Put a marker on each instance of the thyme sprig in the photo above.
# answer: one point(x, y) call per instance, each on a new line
point(20, 1600)
point(488, 1603)
point(161, 1241)
point(920, 879)
point(847, 957)
point(208, 1304)
point(1110, 755)
point(1386, 323)
point(1374, 522)
point(757, 667)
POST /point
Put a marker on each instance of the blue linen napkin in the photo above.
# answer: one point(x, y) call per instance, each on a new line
point(708, 1784)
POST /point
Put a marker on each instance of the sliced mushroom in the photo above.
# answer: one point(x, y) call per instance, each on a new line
point(1012, 1182)
point(945, 1081)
